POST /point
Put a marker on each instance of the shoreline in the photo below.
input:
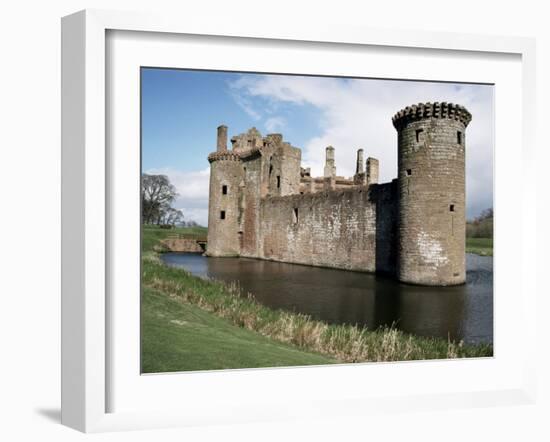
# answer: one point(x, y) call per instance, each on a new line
point(480, 246)
point(342, 343)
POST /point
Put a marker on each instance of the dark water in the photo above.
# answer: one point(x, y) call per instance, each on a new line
point(339, 296)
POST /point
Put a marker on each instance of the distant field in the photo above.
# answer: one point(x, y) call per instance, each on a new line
point(480, 246)
point(150, 228)
point(153, 234)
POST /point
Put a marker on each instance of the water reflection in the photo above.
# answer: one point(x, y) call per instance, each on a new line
point(338, 296)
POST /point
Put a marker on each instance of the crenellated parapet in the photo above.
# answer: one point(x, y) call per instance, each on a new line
point(431, 110)
point(223, 156)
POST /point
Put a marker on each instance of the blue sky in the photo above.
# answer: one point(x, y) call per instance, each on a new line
point(181, 110)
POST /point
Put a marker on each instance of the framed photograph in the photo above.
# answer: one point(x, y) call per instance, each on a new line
point(264, 223)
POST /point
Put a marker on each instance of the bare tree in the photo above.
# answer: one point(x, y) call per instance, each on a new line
point(481, 226)
point(485, 214)
point(172, 217)
point(157, 195)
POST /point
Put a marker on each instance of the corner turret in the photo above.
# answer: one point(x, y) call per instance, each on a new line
point(431, 196)
point(226, 176)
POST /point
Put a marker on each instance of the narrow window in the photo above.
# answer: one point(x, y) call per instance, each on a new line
point(459, 137)
point(409, 172)
point(222, 214)
point(224, 190)
point(418, 133)
point(295, 215)
point(270, 169)
point(452, 208)
point(278, 181)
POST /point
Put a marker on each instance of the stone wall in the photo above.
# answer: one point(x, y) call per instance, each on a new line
point(182, 245)
point(384, 196)
point(250, 206)
point(331, 229)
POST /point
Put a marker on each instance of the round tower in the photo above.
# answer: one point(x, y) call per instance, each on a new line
point(431, 204)
point(226, 175)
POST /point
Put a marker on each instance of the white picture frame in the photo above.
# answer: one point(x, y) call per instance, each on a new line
point(87, 356)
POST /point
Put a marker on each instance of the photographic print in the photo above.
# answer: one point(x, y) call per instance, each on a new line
point(293, 220)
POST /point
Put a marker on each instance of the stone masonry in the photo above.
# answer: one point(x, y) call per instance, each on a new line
point(264, 205)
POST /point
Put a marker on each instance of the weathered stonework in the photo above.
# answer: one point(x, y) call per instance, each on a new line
point(264, 205)
point(431, 209)
point(182, 245)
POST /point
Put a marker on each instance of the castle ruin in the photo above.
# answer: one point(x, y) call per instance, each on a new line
point(263, 204)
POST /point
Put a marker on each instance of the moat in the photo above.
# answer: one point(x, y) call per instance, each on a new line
point(338, 296)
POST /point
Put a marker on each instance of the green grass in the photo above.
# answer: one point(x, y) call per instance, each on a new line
point(189, 323)
point(480, 246)
point(151, 235)
point(177, 337)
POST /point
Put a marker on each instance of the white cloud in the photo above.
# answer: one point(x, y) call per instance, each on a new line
point(357, 114)
point(243, 102)
point(273, 124)
point(192, 188)
point(199, 215)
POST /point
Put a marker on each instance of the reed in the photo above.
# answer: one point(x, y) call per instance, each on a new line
point(345, 343)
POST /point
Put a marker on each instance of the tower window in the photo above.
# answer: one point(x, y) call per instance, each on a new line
point(270, 169)
point(224, 190)
point(295, 215)
point(278, 181)
point(409, 172)
point(419, 135)
point(459, 137)
point(452, 208)
point(222, 214)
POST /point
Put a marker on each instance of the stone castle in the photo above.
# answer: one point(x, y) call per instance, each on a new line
point(264, 205)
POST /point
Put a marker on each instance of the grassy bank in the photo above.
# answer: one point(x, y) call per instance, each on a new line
point(189, 323)
point(151, 234)
point(178, 336)
point(480, 246)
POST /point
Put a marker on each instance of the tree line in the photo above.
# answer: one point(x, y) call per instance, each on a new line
point(157, 196)
point(481, 226)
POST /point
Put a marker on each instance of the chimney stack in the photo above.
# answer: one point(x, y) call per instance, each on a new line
point(372, 170)
point(360, 161)
point(330, 167)
point(222, 139)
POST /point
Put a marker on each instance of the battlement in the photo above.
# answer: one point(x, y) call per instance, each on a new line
point(223, 156)
point(431, 110)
